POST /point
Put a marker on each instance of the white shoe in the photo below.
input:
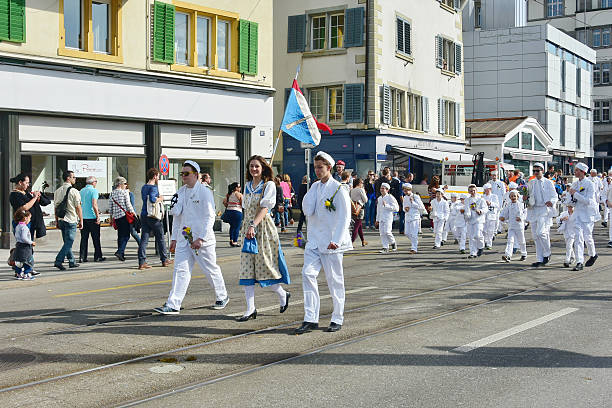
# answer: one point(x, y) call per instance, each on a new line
point(384, 251)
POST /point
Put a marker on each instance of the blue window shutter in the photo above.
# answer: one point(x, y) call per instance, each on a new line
point(353, 103)
point(287, 93)
point(296, 33)
point(353, 27)
point(386, 105)
point(457, 59)
point(425, 112)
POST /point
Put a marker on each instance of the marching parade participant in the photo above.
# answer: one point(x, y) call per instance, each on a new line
point(584, 199)
point(477, 211)
point(498, 188)
point(193, 240)
point(386, 206)
point(598, 185)
point(609, 206)
point(450, 222)
point(512, 186)
point(492, 218)
point(604, 199)
point(459, 223)
point(514, 215)
point(413, 208)
point(440, 210)
point(541, 211)
point(327, 207)
point(565, 221)
point(265, 266)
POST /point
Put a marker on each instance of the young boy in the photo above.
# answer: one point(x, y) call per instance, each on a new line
point(413, 207)
point(440, 210)
point(491, 219)
point(452, 213)
point(459, 223)
point(514, 214)
point(477, 211)
point(387, 205)
point(565, 221)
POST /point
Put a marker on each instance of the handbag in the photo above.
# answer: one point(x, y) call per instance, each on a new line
point(225, 217)
point(355, 208)
point(250, 246)
point(155, 210)
point(129, 216)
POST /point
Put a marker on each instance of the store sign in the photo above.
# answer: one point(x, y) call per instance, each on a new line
point(167, 188)
point(86, 168)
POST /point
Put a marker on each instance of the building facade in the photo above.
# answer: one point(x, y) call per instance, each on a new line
point(590, 22)
point(386, 76)
point(536, 71)
point(106, 87)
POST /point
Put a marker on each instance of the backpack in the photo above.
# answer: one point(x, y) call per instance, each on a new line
point(60, 210)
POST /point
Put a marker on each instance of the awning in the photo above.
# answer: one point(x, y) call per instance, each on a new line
point(531, 156)
point(433, 156)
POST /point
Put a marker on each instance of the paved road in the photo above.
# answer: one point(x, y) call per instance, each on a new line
point(67, 324)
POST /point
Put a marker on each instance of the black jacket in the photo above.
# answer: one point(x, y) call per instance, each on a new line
point(302, 190)
point(37, 223)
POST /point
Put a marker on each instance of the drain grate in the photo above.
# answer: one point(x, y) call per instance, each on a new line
point(15, 358)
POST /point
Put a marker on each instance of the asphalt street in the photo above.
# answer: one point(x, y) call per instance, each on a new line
point(429, 329)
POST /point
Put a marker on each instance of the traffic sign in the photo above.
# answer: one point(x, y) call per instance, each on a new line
point(164, 165)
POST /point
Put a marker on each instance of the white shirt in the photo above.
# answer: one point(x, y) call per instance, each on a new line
point(195, 209)
point(540, 192)
point(385, 208)
point(510, 214)
point(413, 205)
point(440, 209)
point(498, 188)
point(566, 227)
point(459, 219)
point(474, 204)
point(584, 200)
point(493, 207)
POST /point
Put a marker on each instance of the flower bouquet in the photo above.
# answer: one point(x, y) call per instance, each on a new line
point(524, 192)
point(188, 235)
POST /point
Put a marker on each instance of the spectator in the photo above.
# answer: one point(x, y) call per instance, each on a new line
point(23, 254)
point(409, 178)
point(233, 211)
point(207, 180)
point(292, 200)
point(425, 180)
point(345, 177)
point(151, 224)
point(513, 177)
point(358, 200)
point(91, 221)
point(370, 208)
point(550, 174)
point(286, 186)
point(69, 198)
point(339, 169)
point(120, 206)
point(279, 208)
point(385, 178)
point(133, 231)
point(396, 176)
point(300, 197)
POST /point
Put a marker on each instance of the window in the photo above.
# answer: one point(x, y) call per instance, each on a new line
point(596, 74)
point(203, 38)
point(90, 29)
point(526, 141)
point(317, 103)
point(513, 142)
point(578, 138)
point(605, 3)
point(335, 104)
point(318, 33)
point(578, 81)
point(605, 37)
point(581, 36)
point(336, 31)
point(563, 76)
point(537, 145)
point(12, 20)
point(551, 48)
point(582, 4)
point(404, 45)
point(398, 111)
point(223, 44)
point(605, 111)
point(415, 112)
point(554, 8)
point(597, 37)
point(181, 38)
point(605, 73)
point(448, 55)
point(448, 118)
point(477, 14)
point(597, 112)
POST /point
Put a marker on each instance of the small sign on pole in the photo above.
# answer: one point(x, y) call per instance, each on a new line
point(167, 188)
point(164, 165)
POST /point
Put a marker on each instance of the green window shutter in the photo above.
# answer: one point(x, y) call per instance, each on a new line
point(354, 27)
point(243, 60)
point(353, 103)
point(169, 34)
point(17, 20)
point(4, 19)
point(296, 33)
point(253, 47)
point(163, 32)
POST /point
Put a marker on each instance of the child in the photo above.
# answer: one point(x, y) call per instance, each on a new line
point(439, 208)
point(459, 223)
point(413, 207)
point(23, 249)
point(565, 221)
point(491, 219)
point(386, 206)
point(448, 227)
point(477, 211)
point(514, 214)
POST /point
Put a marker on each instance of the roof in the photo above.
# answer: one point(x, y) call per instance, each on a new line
point(435, 156)
point(495, 127)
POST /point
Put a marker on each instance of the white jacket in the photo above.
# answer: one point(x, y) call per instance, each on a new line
point(566, 227)
point(493, 207)
point(413, 207)
point(458, 218)
point(385, 208)
point(510, 214)
point(195, 209)
point(498, 188)
point(440, 209)
point(507, 200)
point(549, 193)
point(584, 200)
point(327, 226)
point(476, 204)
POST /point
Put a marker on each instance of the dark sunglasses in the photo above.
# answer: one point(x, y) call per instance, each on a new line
point(538, 170)
point(186, 173)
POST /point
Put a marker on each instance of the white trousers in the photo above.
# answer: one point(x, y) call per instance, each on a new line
point(184, 259)
point(411, 230)
point(584, 236)
point(606, 211)
point(460, 235)
point(569, 246)
point(609, 220)
point(540, 231)
point(438, 231)
point(386, 233)
point(448, 227)
point(489, 230)
point(516, 236)
point(332, 264)
point(474, 233)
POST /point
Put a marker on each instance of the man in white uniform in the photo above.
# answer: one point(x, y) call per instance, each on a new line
point(598, 186)
point(194, 209)
point(327, 208)
point(498, 188)
point(586, 213)
point(540, 214)
point(477, 211)
point(604, 199)
point(491, 219)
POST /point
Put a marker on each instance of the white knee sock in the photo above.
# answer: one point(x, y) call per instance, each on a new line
point(282, 295)
point(249, 294)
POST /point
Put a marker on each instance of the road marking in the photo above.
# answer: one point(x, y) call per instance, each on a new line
point(299, 302)
point(513, 330)
point(135, 285)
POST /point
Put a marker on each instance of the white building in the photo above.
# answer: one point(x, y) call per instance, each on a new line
point(385, 75)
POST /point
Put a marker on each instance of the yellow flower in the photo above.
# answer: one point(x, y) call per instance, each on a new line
point(327, 203)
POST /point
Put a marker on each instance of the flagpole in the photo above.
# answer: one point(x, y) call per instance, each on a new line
point(280, 131)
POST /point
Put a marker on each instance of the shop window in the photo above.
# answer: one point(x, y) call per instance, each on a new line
point(91, 29)
point(513, 142)
point(526, 141)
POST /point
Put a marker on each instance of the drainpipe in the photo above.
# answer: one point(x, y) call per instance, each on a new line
point(367, 61)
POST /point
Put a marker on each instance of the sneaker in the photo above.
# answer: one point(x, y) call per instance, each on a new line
point(34, 273)
point(220, 304)
point(384, 251)
point(167, 262)
point(479, 252)
point(120, 257)
point(144, 266)
point(28, 276)
point(394, 247)
point(523, 257)
point(166, 310)
point(19, 276)
point(506, 258)
point(488, 248)
point(59, 266)
point(74, 265)
point(435, 247)
point(472, 256)
point(463, 251)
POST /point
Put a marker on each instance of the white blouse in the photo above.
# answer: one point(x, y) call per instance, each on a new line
point(268, 200)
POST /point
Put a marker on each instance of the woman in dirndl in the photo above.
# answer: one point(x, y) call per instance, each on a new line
point(268, 266)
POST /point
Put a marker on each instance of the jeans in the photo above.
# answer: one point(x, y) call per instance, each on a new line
point(287, 210)
point(134, 234)
point(301, 221)
point(370, 212)
point(123, 234)
point(357, 230)
point(235, 221)
point(402, 216)
point(151, 225)
point(90, 227)
point(279, 218)
point(68, 235)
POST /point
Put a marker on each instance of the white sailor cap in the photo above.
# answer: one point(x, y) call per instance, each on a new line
point(407, 185)
point(195, 165)
point(487, 186)
point(512, 185)
point(593, 170)
point(439, 190)
point(453, 195)
point(540, 165)
point(513, 192)
point(583, 167)
point(462, 196)
point(386, 185)
point(326, 157)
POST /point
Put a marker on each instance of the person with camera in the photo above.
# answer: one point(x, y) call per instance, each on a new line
point(151, 219)
point(68, 218)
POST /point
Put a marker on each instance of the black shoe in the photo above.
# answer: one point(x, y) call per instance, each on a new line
point(610, 244)
point(545, 260)
point(120, 257)
point(245, 318)
point(283, 308)
point(565, 265)
point(523, 258)
point(100, 259)
point(59, 266)
point(74, 265)
point(456, 242)
point(591, 261)
point(34, 273)
point(306, 327)
point(479, 252)
point(82, 260)
point(514, 251)
point(537, 264)
point(441, 244)
point(463, 251)
point(578, 267)
point(603, 223)
point(506, 258)
point(333, 327)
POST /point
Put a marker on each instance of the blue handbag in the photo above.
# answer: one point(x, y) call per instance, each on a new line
point(250, 246)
